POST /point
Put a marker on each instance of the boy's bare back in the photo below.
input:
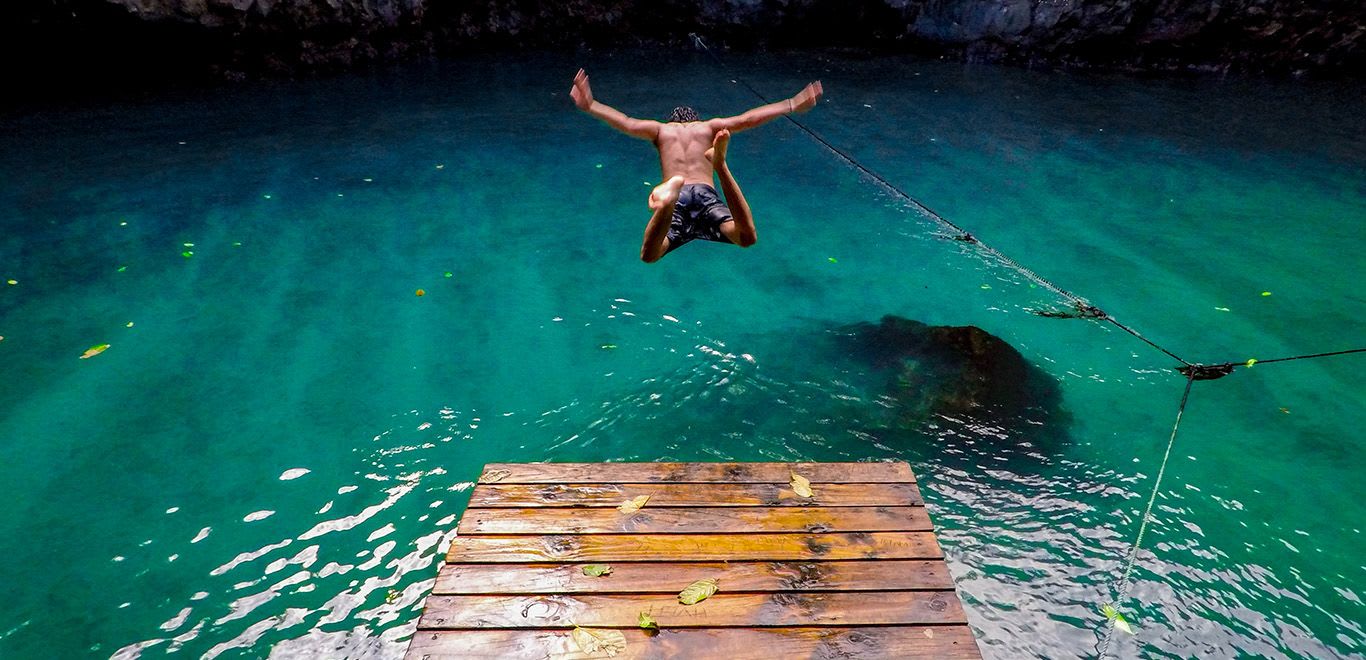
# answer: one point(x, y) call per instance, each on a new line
point(681, 150)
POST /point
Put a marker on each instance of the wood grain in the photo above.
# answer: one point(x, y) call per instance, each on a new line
point(722, 610)
point(659, 577)
point(735, 473)
point(852, 572)
point(691, 495)
point(693, 547)
point(695, 520)
point(939, 642)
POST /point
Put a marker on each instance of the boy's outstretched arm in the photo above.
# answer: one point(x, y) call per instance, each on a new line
point(800, 102)
point(582, 94)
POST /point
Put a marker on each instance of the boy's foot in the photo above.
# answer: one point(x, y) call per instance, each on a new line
point(717, 153)
point(666, 193)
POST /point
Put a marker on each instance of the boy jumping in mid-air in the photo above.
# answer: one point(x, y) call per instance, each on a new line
point(685, 206)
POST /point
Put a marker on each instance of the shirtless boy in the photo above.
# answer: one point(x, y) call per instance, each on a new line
point(685, 206)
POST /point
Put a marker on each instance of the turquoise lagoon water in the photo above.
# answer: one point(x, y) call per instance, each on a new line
point(270, 459)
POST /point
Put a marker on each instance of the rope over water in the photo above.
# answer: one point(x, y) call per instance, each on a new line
point(961, 234)
point(1081, 309)
point(1125, 581)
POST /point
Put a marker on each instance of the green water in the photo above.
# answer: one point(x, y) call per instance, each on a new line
point(156, 499)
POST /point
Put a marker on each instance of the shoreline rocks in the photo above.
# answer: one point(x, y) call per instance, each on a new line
point(250, 38)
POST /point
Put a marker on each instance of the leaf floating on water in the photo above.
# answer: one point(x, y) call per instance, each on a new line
point(608, 347)
point(597, 570)
point(121, 269)
point(697, 591)
point(593, 641)
point(11, 282)
point(187, 254)
point(1221, 309)
point(801, 485)
point(1113, 615)
point(94, 350)
point(633, 505)
point(644, 620)
point(495, 476)
point(1251, 362)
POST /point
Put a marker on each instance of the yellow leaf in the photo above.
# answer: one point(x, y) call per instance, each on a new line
point(495, 476)
point(801, 486)
point(94, 350)
point(644, 620)
point(633, 505)
point(697, 591)
point(594, 641)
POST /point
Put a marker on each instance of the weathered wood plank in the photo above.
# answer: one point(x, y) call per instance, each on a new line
point(939, 642)
point(720, 611)
point(695, 520)
point(655, 577)
point(735, 473)
point(662, 495)
point(693, 547)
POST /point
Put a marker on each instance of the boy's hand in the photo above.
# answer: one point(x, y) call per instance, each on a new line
point(803, 101)
point(581, 92)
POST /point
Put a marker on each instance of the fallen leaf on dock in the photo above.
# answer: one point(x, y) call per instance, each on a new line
point(644, 620)
point(597, 570)
point(593, 640)
point(697, 591)
point(800, 485)
point(633, 505)
point(94, 350)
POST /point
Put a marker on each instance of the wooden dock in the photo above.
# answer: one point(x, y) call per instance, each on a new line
point(853, 571)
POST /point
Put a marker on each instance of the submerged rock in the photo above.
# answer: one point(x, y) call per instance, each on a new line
point(953, 371)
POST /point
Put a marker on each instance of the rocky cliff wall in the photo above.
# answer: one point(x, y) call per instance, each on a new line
point(248, 37)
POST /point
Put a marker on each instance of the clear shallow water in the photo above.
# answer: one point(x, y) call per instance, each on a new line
point(156, 494)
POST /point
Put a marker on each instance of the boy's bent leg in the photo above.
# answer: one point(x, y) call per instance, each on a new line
point(662, 199)
point(740, 229)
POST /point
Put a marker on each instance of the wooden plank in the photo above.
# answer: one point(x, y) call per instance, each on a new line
point(693, 547)
point(735, 473)
point(946, 642)
point(720, 611)
point(659, 577)
point(661, 495)
point(695, 520)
